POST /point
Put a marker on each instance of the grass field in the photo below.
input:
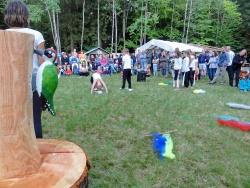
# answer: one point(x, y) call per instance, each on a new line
point(111, 128)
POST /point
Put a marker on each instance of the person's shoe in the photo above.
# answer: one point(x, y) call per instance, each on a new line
point(130, 89)
point(121, 88)
point(212, 82)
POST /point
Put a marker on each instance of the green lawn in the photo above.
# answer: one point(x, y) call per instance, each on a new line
point(111, 128)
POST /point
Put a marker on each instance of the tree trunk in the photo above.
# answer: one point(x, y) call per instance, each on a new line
point(146, 21)
point(218, 24)
point(116, 32)
point(172, 19)
point(189, 19)
point(55, 29)
point(141, 36)
point(123, 24)
point(71, 41)
point(185, 19)
point(113, 25)
point(58, 33)
point(83, 20)
point(19, 152)
point(98, 23)
point(51, 24)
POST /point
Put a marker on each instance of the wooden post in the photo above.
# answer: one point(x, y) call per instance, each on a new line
point(24, 161)
point(19, 152)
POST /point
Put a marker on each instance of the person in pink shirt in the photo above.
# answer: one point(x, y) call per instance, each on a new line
point(103, 60)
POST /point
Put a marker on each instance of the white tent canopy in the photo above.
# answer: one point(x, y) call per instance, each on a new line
point(168, 46)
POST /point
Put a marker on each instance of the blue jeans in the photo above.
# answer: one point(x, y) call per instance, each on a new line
point(144, 65)
point(112, 68)
point(163, 71)
point(155, 69)
point(211, 73)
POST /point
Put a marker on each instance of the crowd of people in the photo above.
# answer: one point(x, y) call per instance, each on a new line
point(184, 67)
point(79, 64)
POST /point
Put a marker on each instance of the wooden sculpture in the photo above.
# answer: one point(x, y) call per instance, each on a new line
point(24, 161)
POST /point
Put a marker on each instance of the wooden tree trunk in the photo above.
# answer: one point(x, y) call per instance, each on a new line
point(19, 155)
point(24, 161)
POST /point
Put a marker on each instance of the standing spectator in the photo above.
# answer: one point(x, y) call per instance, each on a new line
point(222, 66)
point(111, 64)
point(120, 62)
point(16, 17)
point(92, 62)
point(230, 72)
point(202, 59)
point(149, 61)
point(126, 61)
point(213, 65)
point(155, 65)
point(138, 59)
point(192, 67)
point(163, 63)
point(185, 68)
point(238, 61)
point(143, 60)
point(177, 68)
point(154, 54)
point(133, 62)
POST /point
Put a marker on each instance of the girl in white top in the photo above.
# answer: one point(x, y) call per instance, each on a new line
point(177, 68)
point(16, 16)
point(185, 69)
point(192, 68)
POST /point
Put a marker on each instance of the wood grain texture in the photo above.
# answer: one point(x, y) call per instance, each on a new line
point(64, 165)
point(24, 161)
point(19, 154)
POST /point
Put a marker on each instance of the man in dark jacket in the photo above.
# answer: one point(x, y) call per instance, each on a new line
point(238, 61)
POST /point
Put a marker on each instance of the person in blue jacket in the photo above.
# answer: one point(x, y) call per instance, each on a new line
point(222, 67)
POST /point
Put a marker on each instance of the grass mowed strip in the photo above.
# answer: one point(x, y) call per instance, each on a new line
point(111, 128)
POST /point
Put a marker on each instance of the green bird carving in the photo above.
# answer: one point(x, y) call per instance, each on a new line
point(47, 81)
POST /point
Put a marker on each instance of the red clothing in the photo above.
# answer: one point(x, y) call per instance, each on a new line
point(68, 72)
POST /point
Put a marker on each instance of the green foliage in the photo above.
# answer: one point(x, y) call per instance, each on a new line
point(213, 22)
